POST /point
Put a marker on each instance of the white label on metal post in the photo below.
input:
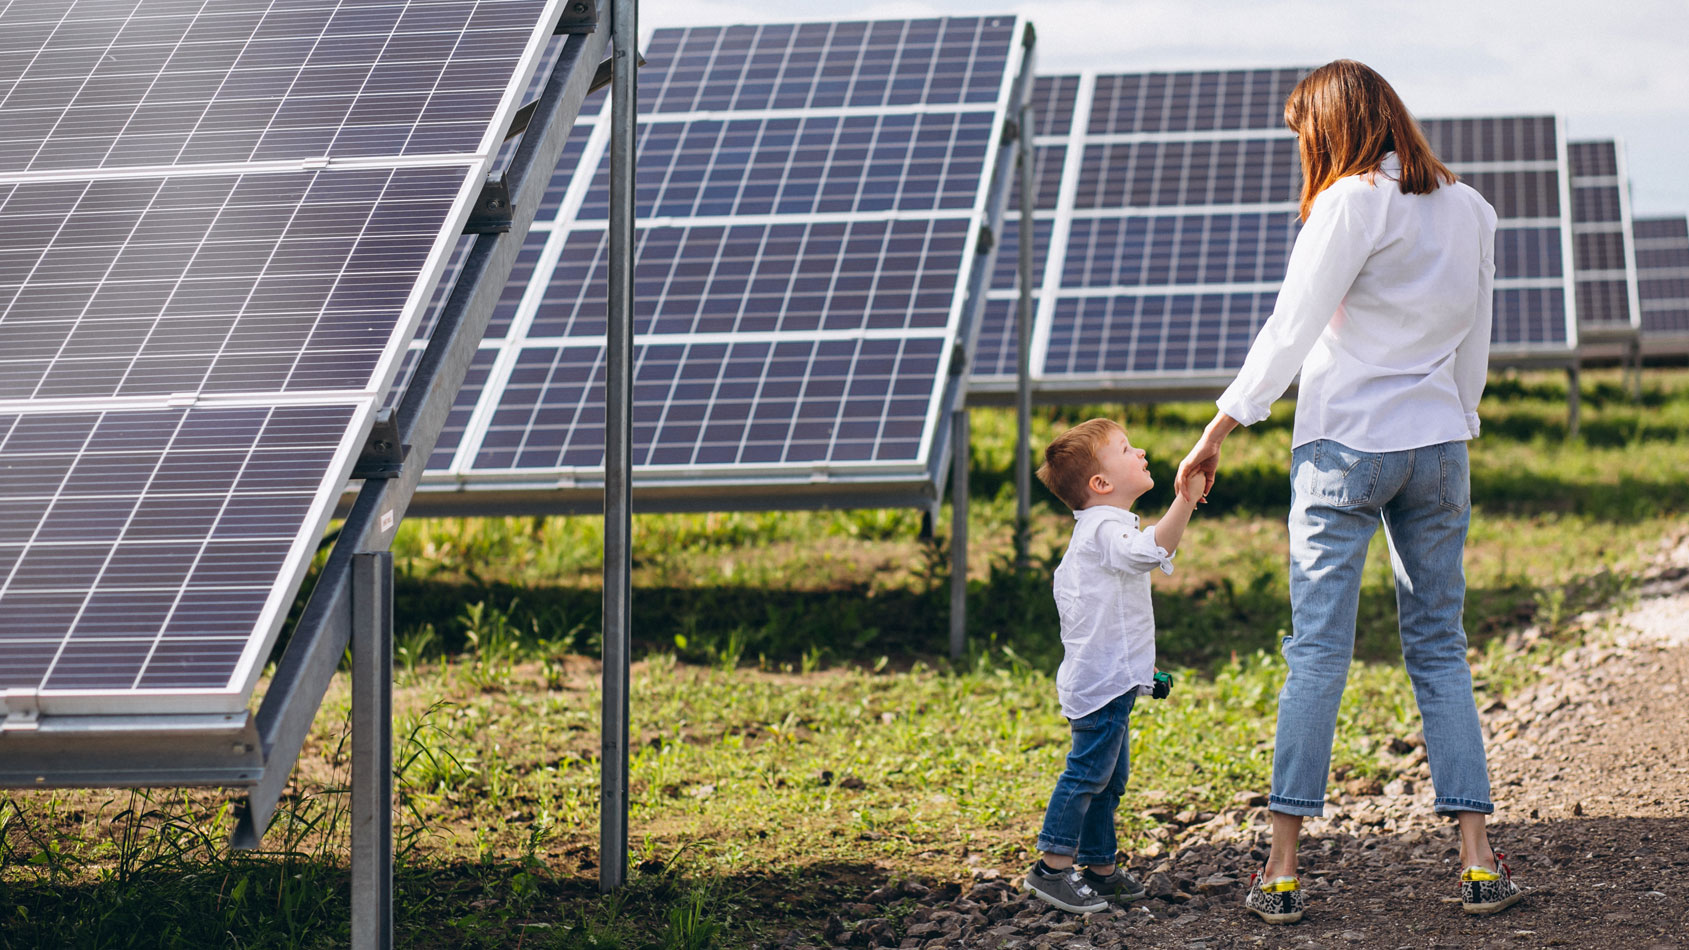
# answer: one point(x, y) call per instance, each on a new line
point(387, 520)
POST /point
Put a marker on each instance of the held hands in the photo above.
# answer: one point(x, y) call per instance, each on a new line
point(1197, 471)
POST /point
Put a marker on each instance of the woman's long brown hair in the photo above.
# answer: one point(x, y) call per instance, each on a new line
point(1347, 118)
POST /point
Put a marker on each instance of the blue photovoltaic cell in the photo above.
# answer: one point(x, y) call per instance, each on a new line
point(1006, 275)
point(1052, 104)
point(138, 547)
point(119, 83)
point(810, 199)
point(753, 278)
point(1601, 254)
point(1164, 174)
point(463, 405)
point(210, 284)
point(813, 165)
point(1662, 270)
point(721, 404)
point(176, 254)
point(827, 65)
point(1154, 333)
point(1191, 102)
point(1184, 203)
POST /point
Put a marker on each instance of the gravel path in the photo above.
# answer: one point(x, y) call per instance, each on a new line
point(1591, 773)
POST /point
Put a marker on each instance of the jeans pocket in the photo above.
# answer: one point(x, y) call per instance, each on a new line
point(1339, 476)
point(1455, 485)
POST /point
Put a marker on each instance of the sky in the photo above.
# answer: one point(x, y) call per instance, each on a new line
point(1617, 69)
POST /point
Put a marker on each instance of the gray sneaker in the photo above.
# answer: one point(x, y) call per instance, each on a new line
point(1065, 889)
point(1119, 886)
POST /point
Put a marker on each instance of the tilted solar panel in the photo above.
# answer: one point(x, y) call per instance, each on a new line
point(1165, 218)
point(1604, 261)
point(219, 226)
point(810, 199)
point(1662, 270)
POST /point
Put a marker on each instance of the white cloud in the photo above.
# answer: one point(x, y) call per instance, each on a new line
point(1610, 69)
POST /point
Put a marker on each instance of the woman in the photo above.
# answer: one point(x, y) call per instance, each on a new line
point(1385, 311)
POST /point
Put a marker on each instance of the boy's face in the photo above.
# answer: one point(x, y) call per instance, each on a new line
point(1122, 474)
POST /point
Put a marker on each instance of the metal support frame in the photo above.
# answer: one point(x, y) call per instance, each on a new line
point(959, 534)
point(319, 641)
point(618, 454)
point(1023, 356)
point(1574, 397)
point(372, 750)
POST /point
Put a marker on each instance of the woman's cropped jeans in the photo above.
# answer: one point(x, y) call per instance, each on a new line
point(1338, 497)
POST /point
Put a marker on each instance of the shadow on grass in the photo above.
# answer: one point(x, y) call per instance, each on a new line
point(727, 626)
point(254, 902)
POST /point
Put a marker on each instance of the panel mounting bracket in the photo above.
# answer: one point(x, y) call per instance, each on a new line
point(491, 214)
point(22, 712)
point(987, 240)
point(383, 455)
point(579, 16)
point(1011, 132)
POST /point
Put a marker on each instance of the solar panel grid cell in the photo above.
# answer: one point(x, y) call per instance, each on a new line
point(1662, 263)
point(129, 532)
point(215, 284)
point(224, 324)
point(826, 65)
point(130, 83)
point(799, 165)
point(810, 197)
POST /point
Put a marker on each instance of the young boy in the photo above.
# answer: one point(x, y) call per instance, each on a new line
point(1108, 634)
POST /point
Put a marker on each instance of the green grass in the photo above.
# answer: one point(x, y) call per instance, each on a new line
point(798, 734)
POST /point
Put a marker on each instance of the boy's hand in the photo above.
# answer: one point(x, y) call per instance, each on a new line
point(1196, 485)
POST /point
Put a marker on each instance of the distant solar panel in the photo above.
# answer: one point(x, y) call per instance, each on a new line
point(222, 224)
point(1168, 226)
point(810, 202)
point(1605, 263)
point(1662, 270)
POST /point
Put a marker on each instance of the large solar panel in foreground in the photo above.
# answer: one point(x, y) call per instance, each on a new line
point(1662, 270)
point(810, 203)
point(1605, 262)
point(1166, 214)
point(221, 222)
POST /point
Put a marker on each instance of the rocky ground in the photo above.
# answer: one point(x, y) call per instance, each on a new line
point(1591, 772)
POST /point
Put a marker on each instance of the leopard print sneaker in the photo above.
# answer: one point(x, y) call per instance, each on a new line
point(1278, 901)
point(1483, 891)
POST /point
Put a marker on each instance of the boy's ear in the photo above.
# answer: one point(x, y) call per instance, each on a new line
point(1100, 484)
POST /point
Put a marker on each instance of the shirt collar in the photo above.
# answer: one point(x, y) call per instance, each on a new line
point(1106, 513)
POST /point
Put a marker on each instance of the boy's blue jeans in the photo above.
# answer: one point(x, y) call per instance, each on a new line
point(1080, 817)
point(1338, 497)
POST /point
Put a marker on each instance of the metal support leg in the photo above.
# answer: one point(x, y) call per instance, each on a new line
point(1023, 362)
point(1636, 369)
point(1574, 398)
point(618, 456)
point(959, 535)
point(372, 751)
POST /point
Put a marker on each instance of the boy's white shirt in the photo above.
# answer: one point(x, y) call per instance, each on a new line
point(1107, 620)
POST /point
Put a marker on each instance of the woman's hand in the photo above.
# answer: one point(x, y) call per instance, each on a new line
point(1204, 458)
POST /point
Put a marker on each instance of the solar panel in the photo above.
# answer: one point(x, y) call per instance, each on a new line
point(1603, 259)
point(1166, 214)
point(1662, 270)
point(222, 224)
point(810, 202)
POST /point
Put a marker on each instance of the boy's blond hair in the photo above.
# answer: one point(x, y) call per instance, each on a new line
point(1071, 459)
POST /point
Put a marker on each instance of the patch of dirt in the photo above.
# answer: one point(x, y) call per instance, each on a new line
point(1590, 768)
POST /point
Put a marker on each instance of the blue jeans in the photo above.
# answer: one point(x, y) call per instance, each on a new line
point(1338, 497)
point(1080, 817)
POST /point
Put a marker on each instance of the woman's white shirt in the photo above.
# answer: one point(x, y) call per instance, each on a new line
point(1385, 310)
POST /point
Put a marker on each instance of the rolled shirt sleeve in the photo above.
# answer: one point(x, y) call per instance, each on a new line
point(1334, 244)
point(1131, 551)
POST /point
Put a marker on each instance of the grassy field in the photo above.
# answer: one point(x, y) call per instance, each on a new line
point(798, 734)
